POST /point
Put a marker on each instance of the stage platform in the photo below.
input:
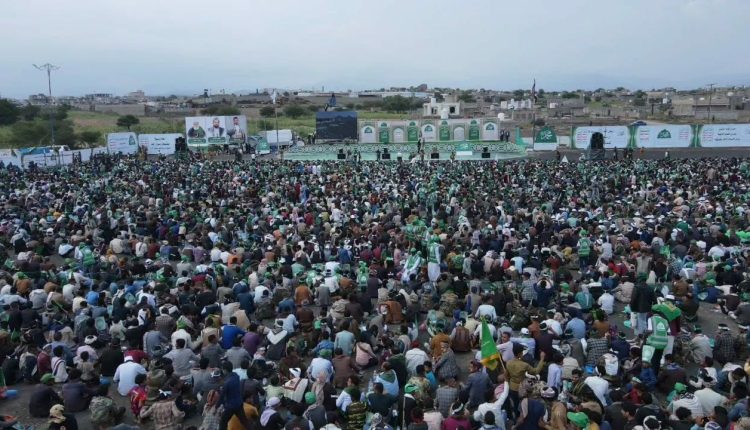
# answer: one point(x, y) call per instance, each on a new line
point(464, 150)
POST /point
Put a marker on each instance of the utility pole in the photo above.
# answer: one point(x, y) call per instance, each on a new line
point(710, 93)
point(49, 68)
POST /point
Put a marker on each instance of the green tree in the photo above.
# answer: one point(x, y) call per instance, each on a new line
point(221, 109)
point(9, 112)
point(540, 93)
point(539, 122)
point(127, 121)
point(65, 134)
point(350, 106)
point(313, 108)
point(294, 111)
point(466, 97)
point(61, 112)
point(518, 93)
point(30, 112)
point(397, 104)
point(267, 111)
point(265, 125)
point(90, 137)
point(29, 133)
point(571, 95)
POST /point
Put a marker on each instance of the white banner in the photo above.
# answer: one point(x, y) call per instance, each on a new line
point(538, 146)
point(216, 130)
point(616, 136)
point(126, 143)
point(428, 133)
point(664, 136)
point(41, 160)
point(724, 135)
point(490, 131)
point(158, 143)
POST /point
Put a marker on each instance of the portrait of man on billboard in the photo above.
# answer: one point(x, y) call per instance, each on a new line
point(196, 130)
point(216, 130)
point(236, 131)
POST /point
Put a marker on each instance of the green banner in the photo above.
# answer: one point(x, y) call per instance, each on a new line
point(463, 147)
point(474, 133)
point(444, 133)
point(412, 134)
point(384, 136)
point(545, 135)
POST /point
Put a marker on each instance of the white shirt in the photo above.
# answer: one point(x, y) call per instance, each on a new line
point(415, 357)
point(487, 310)
point(125, 376)
point(554, 325)
point(709, 399)
point(607, 302)
point(599, 386)
point(181, 334)
point(259, 292)
point(290, 323)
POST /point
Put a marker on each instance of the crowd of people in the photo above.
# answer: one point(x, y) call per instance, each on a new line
point(369, 295)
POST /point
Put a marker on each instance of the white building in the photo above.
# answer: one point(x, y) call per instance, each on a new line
point(450, 106)
point(514, 104)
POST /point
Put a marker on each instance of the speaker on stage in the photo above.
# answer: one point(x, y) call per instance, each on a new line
point(597, 141)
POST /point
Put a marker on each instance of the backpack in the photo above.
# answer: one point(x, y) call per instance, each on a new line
point(462, 340)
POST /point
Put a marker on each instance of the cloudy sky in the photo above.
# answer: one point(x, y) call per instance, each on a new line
point(166, 46)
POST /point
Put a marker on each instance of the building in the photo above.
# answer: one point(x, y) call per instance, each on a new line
point(450, 106)
point(514, 104)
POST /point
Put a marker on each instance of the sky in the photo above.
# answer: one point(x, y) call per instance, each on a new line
point(181, 47)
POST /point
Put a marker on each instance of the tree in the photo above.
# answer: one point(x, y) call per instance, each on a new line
point(570, 95)
point(127, 121)
point(30, 112)
point(539, 122)
point(265, 125)
point(61, 112)
point(65, 135)
point(9, 112)
point(294, 111)
point(518, 93)
point(313, 108)
point(90, 137)
point(221, 109)
point(397, 104)
point(466, 97)
point(29, 133)
point(267, 111)
point(540, 93)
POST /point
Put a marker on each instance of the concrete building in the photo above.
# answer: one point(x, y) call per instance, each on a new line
point(449, 107)
point(514, 104)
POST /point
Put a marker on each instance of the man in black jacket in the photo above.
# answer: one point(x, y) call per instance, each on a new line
point(640, 303)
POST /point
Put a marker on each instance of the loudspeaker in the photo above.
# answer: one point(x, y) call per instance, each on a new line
point(485, 155)
point(597, 141)
point(435, 156)
point(341, 156)
point(385, 156)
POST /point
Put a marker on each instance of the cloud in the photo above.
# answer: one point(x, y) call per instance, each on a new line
point(184, 46)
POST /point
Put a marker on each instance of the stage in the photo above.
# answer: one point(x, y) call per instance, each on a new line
point(465, 151)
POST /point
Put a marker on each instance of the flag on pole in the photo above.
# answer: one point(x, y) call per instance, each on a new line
point(533, 91)
point(490, 356)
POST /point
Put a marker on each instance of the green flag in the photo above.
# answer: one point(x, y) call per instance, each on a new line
point(490, 356)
